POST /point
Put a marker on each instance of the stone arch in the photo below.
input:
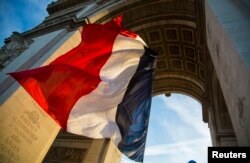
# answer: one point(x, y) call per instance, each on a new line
point(176, 31)
point(200, 55)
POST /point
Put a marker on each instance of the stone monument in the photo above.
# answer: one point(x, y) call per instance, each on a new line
point(203, 53)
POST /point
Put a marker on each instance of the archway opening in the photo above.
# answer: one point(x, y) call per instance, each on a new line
point(176, 131)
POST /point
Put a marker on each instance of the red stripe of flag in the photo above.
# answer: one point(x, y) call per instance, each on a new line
point(58, 86)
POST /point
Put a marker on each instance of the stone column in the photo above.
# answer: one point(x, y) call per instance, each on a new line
point(227, 29)
point(26, 131)
point(222, 132)
point(96, 152)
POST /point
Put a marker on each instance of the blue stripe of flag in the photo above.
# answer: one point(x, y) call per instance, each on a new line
point(133, 112)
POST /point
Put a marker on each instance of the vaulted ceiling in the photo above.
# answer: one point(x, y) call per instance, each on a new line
point(175, 29)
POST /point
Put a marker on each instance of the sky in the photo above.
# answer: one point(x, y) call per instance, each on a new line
point(176, 131)
point(20, 15)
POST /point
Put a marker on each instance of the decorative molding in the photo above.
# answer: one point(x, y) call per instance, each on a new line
point(64, 154)
point(13, 48)
point(60, 5)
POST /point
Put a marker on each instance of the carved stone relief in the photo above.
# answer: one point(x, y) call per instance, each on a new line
point(14, 48)
point(64, 154)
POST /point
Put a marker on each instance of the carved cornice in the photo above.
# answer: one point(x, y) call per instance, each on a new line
point(60, 5)
point(70, 23)
point(62, 15)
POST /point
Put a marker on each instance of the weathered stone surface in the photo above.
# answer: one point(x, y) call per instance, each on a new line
point(230, 64)
point(16, 45)
point(26, 131)
point(196, 58)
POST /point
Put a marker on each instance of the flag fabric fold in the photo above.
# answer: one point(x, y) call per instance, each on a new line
point(101, 88)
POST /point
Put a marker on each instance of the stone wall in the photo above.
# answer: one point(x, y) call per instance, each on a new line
point(227, 28)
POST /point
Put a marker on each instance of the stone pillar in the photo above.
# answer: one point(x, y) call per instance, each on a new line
point(113, 155)
point(26, 131)
point(102, 151)
point(227, 30)
point(222, 132)
point(96, 151)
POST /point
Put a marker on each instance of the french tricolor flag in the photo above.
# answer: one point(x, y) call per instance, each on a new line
point(100, 89)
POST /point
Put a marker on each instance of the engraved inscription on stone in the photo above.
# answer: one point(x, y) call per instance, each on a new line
point(23, 130)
